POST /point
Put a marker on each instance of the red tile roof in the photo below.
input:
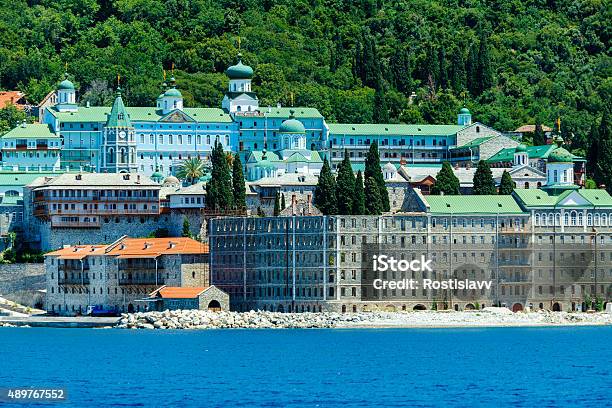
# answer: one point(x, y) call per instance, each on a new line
point(11, 98)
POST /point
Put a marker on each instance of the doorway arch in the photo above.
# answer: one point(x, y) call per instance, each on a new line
point(419, 307)
point(130, 308)
point(517, 307)
point(556, 307)
point(214, 306)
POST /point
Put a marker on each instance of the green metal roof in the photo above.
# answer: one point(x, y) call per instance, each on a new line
point(239, 71)
point(257, 155)
point(473, 204)
point(393, 129)
point(560, 155)
point(31, 131)
point(140, 114)
point(119, 116)
point(464, 111)
point(66, 84)
point(9, 178)
point(292, 125)
point(541, 198)
point(534, 152)
point(11, 200)
point(173, 92)
point(473, 143)
point(281, 113)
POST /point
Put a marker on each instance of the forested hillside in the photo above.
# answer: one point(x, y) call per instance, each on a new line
point(509, 61)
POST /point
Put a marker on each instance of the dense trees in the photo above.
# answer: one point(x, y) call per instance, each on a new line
point(219, 192)
point(345, 186)
point(510, 62)
point(603, 166)
point(483, 180)
point(359, 196)
point(446, 181)
point(325, 192)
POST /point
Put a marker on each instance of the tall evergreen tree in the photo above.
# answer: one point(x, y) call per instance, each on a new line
point(373, 201)
point(345, 186)
point(457, 77)
point(186, 228)
point(483, 180)
point(446, 181)
point(539, 138)
point(219, 194)
point(277, 209)
point(238, 187)
point(359, 196)
point(381, 110)
point(325, 192)
point(506, 186)
point(603, 166)
point(373, 169)
point(283, 205)
point(431, 68)
point(471, 69)
point(485, 69)
point(593, 149)
point(443, 69)
point(401, 70)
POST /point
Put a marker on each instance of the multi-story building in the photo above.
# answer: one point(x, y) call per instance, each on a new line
point(34, 146)
point(85, 207)
point(538, 248)
point(120, 275)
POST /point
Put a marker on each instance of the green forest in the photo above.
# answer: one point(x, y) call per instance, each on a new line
point(510, 62)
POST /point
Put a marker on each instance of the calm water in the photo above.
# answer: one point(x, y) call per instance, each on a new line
point(531, 367)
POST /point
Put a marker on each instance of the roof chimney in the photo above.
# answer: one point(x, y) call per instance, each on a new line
point(293, 205)
point(309, 198)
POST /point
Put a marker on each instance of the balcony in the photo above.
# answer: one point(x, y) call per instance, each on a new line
point(141, 280)
point(73, 280)
point(75, 224)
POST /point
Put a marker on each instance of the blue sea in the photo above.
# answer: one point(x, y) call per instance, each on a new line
point(522, 367)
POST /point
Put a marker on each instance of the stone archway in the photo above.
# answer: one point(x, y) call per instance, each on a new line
point(389, 308)
point(469, 306)
point(214, 306)
point(419, 307)
point(556, 307)
point(517, 307)
point(130, 308)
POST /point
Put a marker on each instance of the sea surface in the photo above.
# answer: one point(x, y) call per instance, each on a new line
point(501, 367)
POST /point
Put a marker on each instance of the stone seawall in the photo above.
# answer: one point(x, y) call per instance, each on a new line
point(21, 283)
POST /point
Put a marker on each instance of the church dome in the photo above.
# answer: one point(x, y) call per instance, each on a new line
point(157, 176)
point(292, 125)
point(520, 148)
point(171, 181)
point(174, 93)
point(464, 111)
point(239, 71)
point(66, 84)
point(560, 155)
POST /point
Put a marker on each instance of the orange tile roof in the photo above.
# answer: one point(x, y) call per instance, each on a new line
point(11, 97)
point(175, 292)
point(157, 246)
point(78, 251)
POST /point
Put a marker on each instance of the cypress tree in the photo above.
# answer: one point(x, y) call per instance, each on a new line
point(186, 228)
point(372, 169)
point(443, 69)
point(277, 205)
point(506, 186)
point(359, 197)
point(381, 111)
point(401, 70)
point(345, 186)
point(457, 77)
point(219, 194)
point(373, 201)
point(471, 69)
point(446, 181)
point(283, 206)
point(483, 180)
point(485, 70)
point(593, 148)
point(431, 67)
point(539, 138)
point(603, 168)
point(325, 192)
point(238, 187)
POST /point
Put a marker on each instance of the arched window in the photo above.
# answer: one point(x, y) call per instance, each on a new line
point(551, 220)
point(573, 215)
point(111, 155)
point(537, 219)
point(596, 220)
point(590, 219)
point(539, 184)
point(526, 184)
point(558, 219)
point(566, 219)
point(580, 219)
point(604, 220)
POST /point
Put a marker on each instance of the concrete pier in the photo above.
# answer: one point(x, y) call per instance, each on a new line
point(65, 322)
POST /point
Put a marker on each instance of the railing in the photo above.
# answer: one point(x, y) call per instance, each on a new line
point(77, 268)
point(75, 224)
point(73, 280)
point(142, 281)
point(100, 211)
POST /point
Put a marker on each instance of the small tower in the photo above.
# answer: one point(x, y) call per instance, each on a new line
point(521, 157)
point(292, 134)
point(171, 99)
point(119, 143)
point(560, 168)
point(464, 118)
point(66, 96)
point(239, 96)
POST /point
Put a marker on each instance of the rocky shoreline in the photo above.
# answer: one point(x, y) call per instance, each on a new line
point(489, 317)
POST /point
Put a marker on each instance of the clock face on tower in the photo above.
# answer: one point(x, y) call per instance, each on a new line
point(122, 134)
